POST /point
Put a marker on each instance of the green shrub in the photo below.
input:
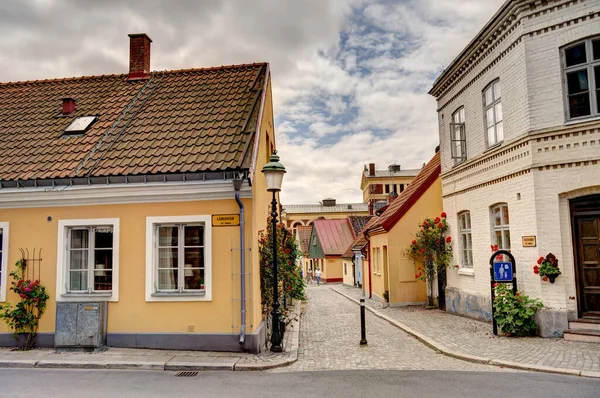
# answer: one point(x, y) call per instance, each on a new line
point(514, 312)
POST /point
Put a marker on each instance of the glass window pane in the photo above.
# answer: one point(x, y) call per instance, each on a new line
point(103, 238)
point(489, 98)
point(500, 131)
point(505, 219)
point(102, 280)
point(489, 117)
point(194, 235)
point(577, 82)
point(167, 236)
point(498, 239)
point(462, 221)
point(167, 258)
point(596, 46)
point(78, 259)
point(194, 279)
point(506, 241)
point(575, 55)
point(1, 243)
point(462, 115)
point(194, 258)
point(79, 238)
point(496, 216)
point(498, 111)
point(78, 280)
point(579, 105)
point(167, 279)
point(597, 74)
point(497, 91)
point(491, 136)
point(103, 259)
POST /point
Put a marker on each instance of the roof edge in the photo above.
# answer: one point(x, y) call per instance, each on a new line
point(257, 133)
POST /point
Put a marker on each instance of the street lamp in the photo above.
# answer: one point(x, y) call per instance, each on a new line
point(274, 172)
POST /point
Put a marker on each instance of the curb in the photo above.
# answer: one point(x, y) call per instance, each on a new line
point(439, 348)
point(108, 363)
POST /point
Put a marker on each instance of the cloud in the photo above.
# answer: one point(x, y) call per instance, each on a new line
point(350, 77)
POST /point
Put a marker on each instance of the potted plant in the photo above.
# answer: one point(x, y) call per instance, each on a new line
point(547, 268)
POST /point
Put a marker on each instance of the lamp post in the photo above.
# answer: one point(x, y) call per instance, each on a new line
point(274, 172)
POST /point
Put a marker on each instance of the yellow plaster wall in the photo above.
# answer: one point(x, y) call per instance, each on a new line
point(333, 269)
point(29, 228)
point(380, 282)
point(349, 276)
point(404, 288)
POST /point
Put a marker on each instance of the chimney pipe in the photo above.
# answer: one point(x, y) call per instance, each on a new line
point(68, 105)
point(371, 169)
point(139, 56)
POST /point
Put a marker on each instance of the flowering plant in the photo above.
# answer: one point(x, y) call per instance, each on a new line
point(431, 249)
point(25, 316)
point(514, 312)
point(547, 267)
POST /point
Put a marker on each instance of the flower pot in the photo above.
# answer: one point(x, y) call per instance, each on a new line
point(552, 277)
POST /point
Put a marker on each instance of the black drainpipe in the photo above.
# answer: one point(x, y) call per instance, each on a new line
point(237, 185)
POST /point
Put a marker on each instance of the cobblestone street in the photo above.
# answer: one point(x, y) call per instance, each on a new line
point(330, 335)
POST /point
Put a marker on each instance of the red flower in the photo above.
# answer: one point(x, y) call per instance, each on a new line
point(494, 248)
point(414, 242)
point(449, 239)
point(539, 261)
point(496, 284)
point(416, 276)
point(545, 278)
point(423, 250)
point(536, 270)
point(440, 225)
point(457, 266)
point(437, 220)
point(443, 215)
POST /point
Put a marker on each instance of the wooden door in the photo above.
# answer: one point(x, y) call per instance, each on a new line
point(588, 265)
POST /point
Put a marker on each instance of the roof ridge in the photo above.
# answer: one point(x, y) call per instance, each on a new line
point(124, 75)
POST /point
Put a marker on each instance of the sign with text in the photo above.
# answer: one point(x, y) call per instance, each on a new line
point(503, 272)
point(225, 220)
point(528, 241)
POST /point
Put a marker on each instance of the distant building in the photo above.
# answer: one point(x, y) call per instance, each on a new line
point(294, 216)
point(378, 185)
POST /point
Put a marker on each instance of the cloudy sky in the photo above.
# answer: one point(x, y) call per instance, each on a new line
point(350, 77)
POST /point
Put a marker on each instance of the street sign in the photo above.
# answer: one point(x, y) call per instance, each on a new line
point(225, 220)
point(503, 272)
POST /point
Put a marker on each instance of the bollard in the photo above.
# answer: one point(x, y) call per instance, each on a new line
point(363, 330)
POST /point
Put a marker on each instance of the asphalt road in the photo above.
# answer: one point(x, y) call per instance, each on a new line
point(369, 383)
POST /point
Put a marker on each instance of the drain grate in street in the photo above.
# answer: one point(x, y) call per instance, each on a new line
point(186, 374)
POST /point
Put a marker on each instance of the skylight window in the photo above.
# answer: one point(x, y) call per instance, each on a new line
point(80, 125)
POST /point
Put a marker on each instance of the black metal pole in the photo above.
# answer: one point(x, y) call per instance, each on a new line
point(363, 329)
point(275, 313)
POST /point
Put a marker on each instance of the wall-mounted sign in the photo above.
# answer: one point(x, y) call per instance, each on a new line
point(225, 220)
point(528, 241)
point(503, 272)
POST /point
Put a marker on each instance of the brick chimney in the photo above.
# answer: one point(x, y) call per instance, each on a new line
point(68, 105)
point(371, 169)
point(391, 197)
point(139, 56)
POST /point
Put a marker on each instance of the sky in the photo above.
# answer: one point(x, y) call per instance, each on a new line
point(350, 77)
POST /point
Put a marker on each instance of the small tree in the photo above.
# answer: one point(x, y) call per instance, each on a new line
point(431, 249)
point(24, 318)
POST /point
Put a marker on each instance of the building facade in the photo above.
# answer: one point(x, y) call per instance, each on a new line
point(378, 185)
point(519, 123)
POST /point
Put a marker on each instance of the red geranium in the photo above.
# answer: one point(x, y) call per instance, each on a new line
point(449, 239)
point(440, 225)
point(414, 242)
point(423, 250)
point(539, 261)
point(545, 279)
point(536, 270)
point(437, 220)
point(443, 215)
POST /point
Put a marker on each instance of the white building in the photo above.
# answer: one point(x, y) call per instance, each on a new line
point(519, 122)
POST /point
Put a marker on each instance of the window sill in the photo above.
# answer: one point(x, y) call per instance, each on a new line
point(466, 271)
point(492, 147)
point(177, 294)
point(179, 297)
point(582, 120)
point(87, 297)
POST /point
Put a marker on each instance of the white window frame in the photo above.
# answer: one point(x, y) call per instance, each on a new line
point(458, 139)
point(4, 226)
point(467, 234)
point(593, 85)
point(62, 266)
point(502, 227)
point(151, 259)
point(492, 106)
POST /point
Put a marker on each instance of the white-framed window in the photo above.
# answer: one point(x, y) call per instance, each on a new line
point(466, 241)
point(500, 226)
point(3, 260)
point(458, 141)
point(377, 260)
point(179, 258)
point(581, 76)
point(492, 101)
point(88, 260)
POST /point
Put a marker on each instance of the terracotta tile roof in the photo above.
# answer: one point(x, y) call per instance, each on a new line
point(304, 237)
point(334, 235)
point(179, 121)
point(411, 194)
point(358, 223)
point(360, 240)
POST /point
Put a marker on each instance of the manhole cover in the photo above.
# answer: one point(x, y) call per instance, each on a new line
point(186, 374)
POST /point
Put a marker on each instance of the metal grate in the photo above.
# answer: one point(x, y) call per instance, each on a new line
point(186, 374)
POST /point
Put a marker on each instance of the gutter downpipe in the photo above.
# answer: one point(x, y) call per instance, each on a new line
point(237, 185)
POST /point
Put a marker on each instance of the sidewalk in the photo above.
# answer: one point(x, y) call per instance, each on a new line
point(473, 341)
point(170, 360)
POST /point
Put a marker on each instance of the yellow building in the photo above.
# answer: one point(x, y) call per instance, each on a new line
point(390, 270)
point(138, 189)
point(377, 185)
point(328, 241)
point(304, 215)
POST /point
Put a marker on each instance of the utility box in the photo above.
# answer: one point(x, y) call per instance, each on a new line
point(81, 325)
